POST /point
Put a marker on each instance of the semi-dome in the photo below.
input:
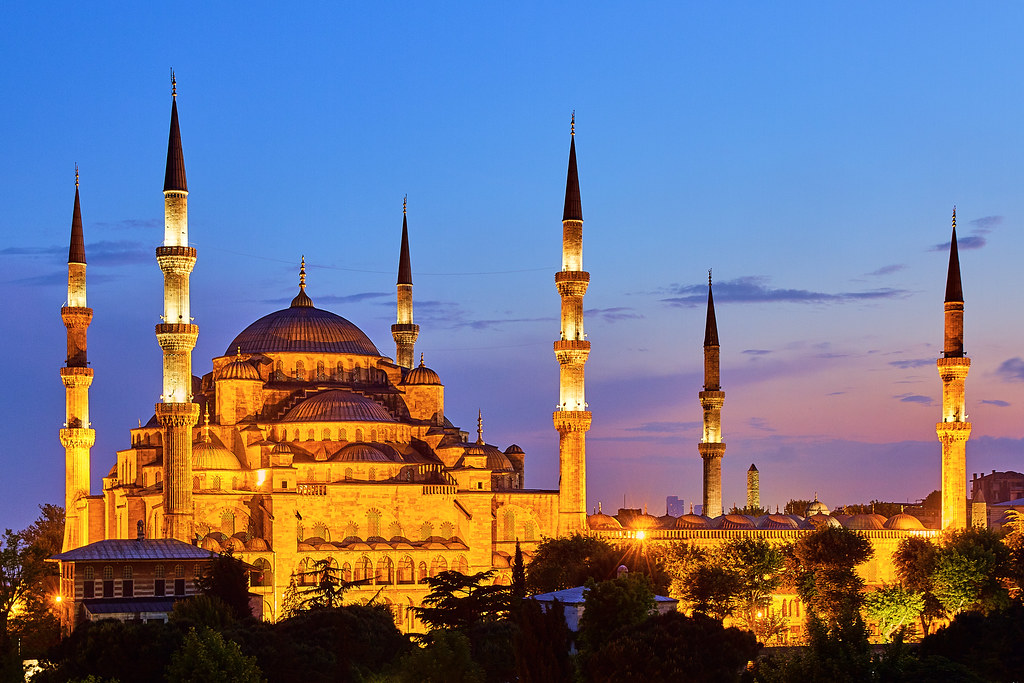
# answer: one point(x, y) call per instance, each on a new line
point(209, 456)
point(239, 369)
point(904, 522)
point(603, 522)
point(776, 522)
point(303, 328)
point(732, 522)
point(338, 405)
point(819, 520)
point(421, 374)
point(361, 452)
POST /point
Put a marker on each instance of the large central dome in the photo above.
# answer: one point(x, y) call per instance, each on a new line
point(302, 328)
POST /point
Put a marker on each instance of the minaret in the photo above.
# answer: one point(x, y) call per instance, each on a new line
point(572, 419)
point(404, 331)
point(77, 436)
point(954, 430)
point(177, 337)
point(753, 488)
point(711, 447)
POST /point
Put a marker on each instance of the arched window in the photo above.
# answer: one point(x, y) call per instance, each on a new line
point(348, 474)
point(447, 530)
point(108, 573)
point(796, 607)
point(438, 565)
point(460, 565)
point(90, 574)
point(394, 529)
point(341, 435)
point(421, 572)
point(363, 569)
point(372, 520)
point(279, 371)
point(339, 373)
point(529, 531)
point(346, 572)
point(508, 525)
point(426, 530)
point(327, 435)
point(406, 570)
point(179, 571)
point(371, 475)
point(307, 572)
point(300, 370)
point(227, 518)
point(262, 574)
point(216, 486)
point(320, 375)
point(352, 529)
point(320, 529)
point(385, 571)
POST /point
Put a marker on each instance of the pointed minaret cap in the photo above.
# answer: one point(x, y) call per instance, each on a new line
point(174, 178)
point(753, 468)
point(480, 427)
point(302, 299)
point(711, 326)
point(573, 207)
point(954, 290)
point(404, 264)
point(76, 252)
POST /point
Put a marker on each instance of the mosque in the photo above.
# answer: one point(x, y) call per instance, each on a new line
point(305, 443)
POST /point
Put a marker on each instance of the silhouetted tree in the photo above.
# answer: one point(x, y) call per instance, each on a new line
point(446, 659)
point(205, 655)
point(542, 643)
point(518, 574)
point(823, 569)
point(969, 570)
point(567, 562)
point(914, 560)
point(622, 602)
point(226, 578)
point(458, 600)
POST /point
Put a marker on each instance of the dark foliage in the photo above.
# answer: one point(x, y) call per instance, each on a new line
point(992, 646)
point(128, 652)
point(492, 645)
point(673, 647)
point(560, 563)
point(227, 579)
point(458, 600)
point(542, 644)
point(621, 603)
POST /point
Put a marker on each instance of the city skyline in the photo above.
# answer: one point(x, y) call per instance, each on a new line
point(817, 182)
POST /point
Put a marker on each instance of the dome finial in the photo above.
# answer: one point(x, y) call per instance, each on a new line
point(709, 277)
point(405, 202)
point(238, 353)
point(302, 299)
point(954, 216)
point(302, 273)
point(480, 426)
point(572, 124)
point(174, 84)
point(205, 438)
point(76, 175)
point(421, 359)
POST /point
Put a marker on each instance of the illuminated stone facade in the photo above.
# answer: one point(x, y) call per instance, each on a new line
point(305, 443)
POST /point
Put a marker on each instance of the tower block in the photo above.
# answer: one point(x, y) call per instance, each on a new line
point(77, 436)
point(753, 488)
point(177, 337)
point(954, 430)
point(405, 331)
point(572, 419)
point(711, 446)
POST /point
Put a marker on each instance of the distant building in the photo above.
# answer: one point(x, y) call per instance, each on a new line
point(998, 487)
point(675, 506)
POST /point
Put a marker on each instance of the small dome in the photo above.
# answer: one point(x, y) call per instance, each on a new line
point(730, 522)
point(514, 449)
point(361, 452)
point(239, 369)
point(667, 521)
point(775, 522)
point(421, 374)
point(904, 522)
point(602, 522)
point(815, 507)
point(818, 521)
point(501, 560)
point(863, 523)
point(644, 521)
point(337, 405)
point(210, 543)
point(235, 545)
point(282, 447)
point(209, 456)
point(257, 545)
point(692, 521)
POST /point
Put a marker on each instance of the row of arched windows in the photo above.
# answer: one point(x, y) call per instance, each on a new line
point(328, 434)
point(386, 572)
point(322, 373)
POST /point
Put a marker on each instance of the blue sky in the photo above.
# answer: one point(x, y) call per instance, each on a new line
point(811, 154)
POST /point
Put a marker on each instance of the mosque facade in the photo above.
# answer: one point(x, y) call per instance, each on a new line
point(305, 443)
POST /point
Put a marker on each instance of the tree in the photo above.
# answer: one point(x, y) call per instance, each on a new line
point(206, 655)
point(542, 643)
point(518, 574)
point(822, 567)
point(327, 591)
point(622, 602)
point(893, 607)
point(969, 571)
point(458, 600)
point(914, 560)
point(991, 645)
point(796, 506)
point(567, 562)
point(758, 565)
point(1014, 541)
point(673, 647)
point(225, 577)
point(711, 589)
point(446, 659)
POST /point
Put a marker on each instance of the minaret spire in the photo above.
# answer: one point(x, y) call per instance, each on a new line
point(480, 426)
point(712, 398)
point(954, 430)
point(177, 336)
point(404, 330)
point(77, 436)
point(572, 419)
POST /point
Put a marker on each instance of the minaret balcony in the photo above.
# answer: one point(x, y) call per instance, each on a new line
point(572, 420)
point(572, 282)
point(76, 316)
point(177, 337)
point(77, 437)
